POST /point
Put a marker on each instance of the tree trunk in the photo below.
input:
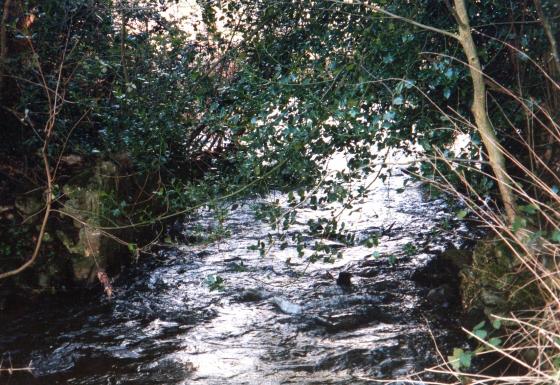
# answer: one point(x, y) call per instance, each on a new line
point(549, 34)
point(124, 21)
point(4, 44)
point(479, 110)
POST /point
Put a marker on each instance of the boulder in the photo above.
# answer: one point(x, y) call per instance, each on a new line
point(87, 197)
point(494, 283)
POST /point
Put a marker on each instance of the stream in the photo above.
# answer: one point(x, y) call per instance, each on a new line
point(276, 319)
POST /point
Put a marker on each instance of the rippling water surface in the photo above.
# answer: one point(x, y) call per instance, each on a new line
point(273, 323)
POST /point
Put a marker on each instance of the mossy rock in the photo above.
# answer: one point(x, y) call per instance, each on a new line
point(74, 249)
point(29, 204)
point(495, 282)
point(457, 258)
point(84, 268)
point(87, 198)
point(83, 204)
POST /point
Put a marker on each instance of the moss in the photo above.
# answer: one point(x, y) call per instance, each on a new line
point(83, 268)
point(72, 246)
point(29, 204)
point(72, 251)
point(495, 282)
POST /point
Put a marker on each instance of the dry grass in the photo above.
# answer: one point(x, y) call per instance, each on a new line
point(529, 350)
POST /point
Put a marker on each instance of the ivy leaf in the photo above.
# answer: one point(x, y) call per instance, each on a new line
point(132, 247)
point(409, 84)
point(518, 223)
point(454, 360)
point(482, 334)
point(479, 325)
point(388, 59)
point(495, 341)
point(461, 214)
point(529, 209)
point(497, 324)
point(389, 115)
point(215, 282)
point(407, 38)
point(556, 362)
point(449, 73)
point(460, 359)
point(466, 359)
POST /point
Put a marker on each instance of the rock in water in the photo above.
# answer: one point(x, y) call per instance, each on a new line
point(344, 279)
point(286, 306)
point(441, 295)
point(253, 295)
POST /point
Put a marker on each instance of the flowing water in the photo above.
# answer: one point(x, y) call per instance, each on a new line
point(277, 319)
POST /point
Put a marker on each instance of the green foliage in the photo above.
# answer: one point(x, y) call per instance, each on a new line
point(460, 359)
point(318, 78)
point(262, 96)
point(239, 267)
point(410, 249)
point(215, 282)
point(494, 283)
point(18, 249)
point(461, 214)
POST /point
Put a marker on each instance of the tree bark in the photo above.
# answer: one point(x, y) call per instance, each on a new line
point(124, 21)
point(549, 34)
point(4, 43)
point(496, 156)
